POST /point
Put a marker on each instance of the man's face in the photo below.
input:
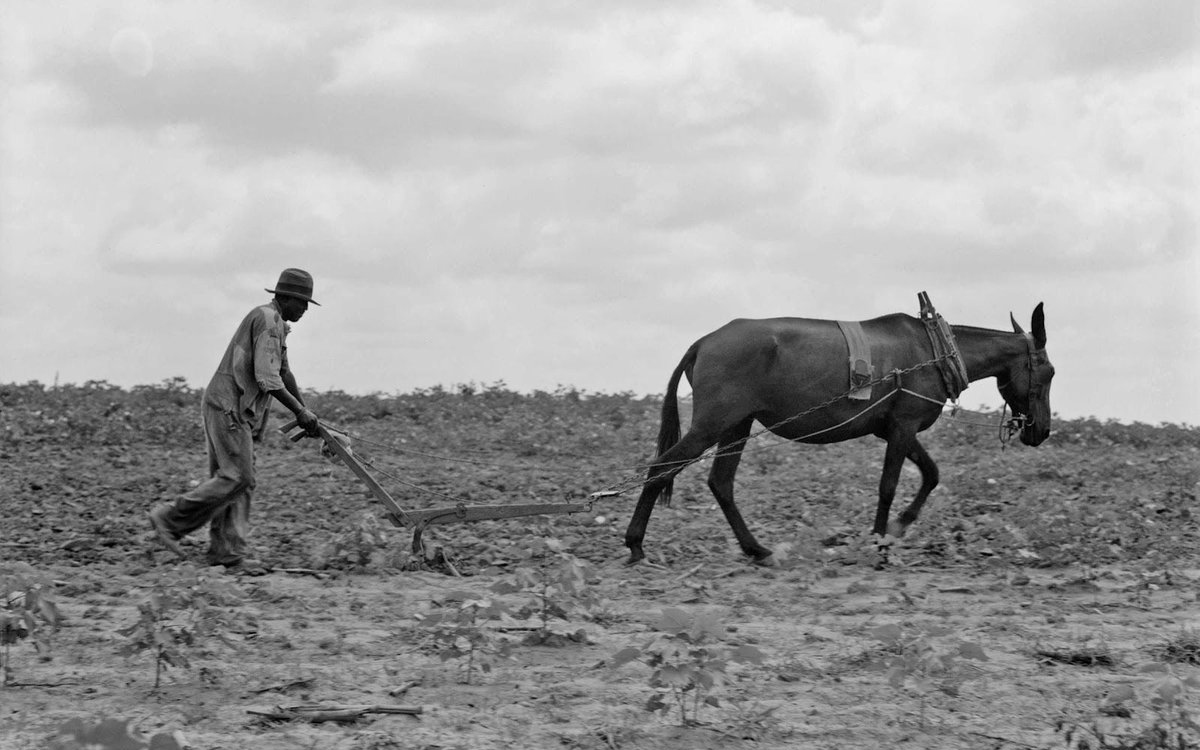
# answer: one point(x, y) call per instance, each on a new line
point(292, 308)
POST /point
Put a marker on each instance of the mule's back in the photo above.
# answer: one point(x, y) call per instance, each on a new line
point(775, 368)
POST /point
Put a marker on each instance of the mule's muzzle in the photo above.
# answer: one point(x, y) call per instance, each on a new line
point(1034, 434)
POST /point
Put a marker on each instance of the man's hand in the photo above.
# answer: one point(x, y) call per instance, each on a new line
point(308, 420)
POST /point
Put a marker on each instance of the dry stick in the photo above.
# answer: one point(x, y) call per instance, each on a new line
point(689, 573)
point(303, 572)
point(319, 714)
point(400, 690)
point(305, 682)
point(1004, 739)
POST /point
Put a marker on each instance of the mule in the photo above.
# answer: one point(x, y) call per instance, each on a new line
point(791, 375)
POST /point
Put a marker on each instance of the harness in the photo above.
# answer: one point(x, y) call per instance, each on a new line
point(945, 353)
point(861, 371)
point(945, 349)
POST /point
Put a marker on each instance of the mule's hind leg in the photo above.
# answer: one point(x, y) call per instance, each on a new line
point(720, 481)
point(929, 479)
point(664, 468)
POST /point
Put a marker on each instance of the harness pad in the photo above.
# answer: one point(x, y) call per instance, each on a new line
point(861, 371)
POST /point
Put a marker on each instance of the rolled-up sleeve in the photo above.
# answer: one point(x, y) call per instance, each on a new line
point(269, 358)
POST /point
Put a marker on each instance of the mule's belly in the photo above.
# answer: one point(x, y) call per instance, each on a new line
point(825, 425)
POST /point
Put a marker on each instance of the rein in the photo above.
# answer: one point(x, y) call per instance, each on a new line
point(739, 446)
point(1018, 422)
point(1007, 429)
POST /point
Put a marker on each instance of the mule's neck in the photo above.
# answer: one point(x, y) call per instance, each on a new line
point(987, 353)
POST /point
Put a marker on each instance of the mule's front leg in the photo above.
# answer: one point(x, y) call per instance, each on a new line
point(929, 480)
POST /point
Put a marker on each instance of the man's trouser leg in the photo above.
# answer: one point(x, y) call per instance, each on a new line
point(224, 498)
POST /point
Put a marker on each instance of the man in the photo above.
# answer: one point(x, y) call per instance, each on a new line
point(235, 407)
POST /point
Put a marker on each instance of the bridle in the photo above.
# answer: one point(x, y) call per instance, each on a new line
point(1018, 422)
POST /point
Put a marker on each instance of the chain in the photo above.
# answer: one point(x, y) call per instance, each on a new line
point(739, 446)
point(637, 479)
point(405, 482)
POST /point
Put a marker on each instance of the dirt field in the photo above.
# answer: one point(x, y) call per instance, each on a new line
point(1046, 599)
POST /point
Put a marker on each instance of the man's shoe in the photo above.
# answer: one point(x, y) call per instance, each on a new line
point(163, 533)
point(246, 567)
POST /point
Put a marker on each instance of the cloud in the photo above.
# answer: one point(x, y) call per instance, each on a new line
point(546, 192)
point(1029, 40)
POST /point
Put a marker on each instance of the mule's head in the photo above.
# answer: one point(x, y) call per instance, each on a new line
point(1026, 388)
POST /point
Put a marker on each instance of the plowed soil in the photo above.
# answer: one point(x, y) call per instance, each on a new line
point(1046, 598)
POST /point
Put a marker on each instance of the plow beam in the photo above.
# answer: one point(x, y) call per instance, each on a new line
point(417, 520)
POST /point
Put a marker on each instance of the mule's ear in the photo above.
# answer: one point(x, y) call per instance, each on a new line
point(1039, 326)
point(1016, 326)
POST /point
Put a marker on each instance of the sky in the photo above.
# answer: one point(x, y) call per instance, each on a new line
point(553, 194)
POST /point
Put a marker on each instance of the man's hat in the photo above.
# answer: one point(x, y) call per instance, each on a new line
point(295, 283)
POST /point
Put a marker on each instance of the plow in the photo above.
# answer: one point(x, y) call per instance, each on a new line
point(418, 520)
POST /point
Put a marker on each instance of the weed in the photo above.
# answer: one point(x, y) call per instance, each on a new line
point(687, 662)
point(184, 608)
point(25, 606)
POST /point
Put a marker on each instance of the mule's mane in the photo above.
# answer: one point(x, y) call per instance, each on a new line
point(979, 329)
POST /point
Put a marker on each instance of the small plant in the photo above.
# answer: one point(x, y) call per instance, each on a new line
point(184, 608)
point(926, 660)
point(109, 734)
point(1181, 649)
point(1158, 715)
point(870, 551)
point(688, 662)
point(1091, 654)
point(366, 544)
point(756, 722)
point(462, 632)
point(555, 593)
point(26, 604)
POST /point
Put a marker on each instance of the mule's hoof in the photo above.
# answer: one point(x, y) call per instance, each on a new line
point(885, 541)
point(896, 529)
point(765, 561)
point(635, 558)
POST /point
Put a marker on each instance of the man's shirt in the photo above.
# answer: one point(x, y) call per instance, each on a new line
point(253, 365)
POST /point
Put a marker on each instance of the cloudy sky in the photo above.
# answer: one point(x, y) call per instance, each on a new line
point(553, 193)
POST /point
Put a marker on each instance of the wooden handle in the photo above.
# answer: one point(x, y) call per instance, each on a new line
point(286, 428)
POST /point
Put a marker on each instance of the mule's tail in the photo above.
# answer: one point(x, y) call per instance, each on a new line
point(668, 431)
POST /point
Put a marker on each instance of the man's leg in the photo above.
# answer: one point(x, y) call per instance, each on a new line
point(231, 475)
point(229, 529)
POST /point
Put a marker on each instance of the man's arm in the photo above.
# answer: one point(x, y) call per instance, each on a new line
point(289, 397)
point(289, 382)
